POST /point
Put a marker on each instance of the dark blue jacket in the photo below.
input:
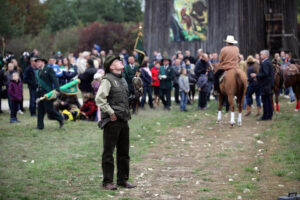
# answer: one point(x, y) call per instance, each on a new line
point(29, 77)
point(147, 79)
point(265, 77)
point(252, 82)
point(201, 68)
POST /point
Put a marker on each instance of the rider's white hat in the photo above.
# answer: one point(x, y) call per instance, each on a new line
point(230, 39)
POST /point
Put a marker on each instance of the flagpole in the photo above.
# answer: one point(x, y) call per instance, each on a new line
point(138, 47)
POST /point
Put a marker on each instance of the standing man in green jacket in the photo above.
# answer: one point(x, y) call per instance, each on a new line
point(47, 81)
point(113, 99)
point(130, 71)
point(166, 76)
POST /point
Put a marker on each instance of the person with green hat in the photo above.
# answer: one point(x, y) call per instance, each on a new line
point(130, 72)
point(112, 98)
point(47, 81)
point(166, 75)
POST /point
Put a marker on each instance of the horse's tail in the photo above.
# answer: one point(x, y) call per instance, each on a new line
point(240, 88)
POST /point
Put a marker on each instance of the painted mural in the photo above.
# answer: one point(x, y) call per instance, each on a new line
point(189, 20)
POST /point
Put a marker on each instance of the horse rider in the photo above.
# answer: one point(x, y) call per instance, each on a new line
point(229, 59)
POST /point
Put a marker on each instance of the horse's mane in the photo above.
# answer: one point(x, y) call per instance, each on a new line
point(216, 67)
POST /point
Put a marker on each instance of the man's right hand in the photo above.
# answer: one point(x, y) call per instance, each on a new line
point(113, 117)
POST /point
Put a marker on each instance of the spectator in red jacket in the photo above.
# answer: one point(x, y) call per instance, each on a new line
point(15, 91)
point(155, 81)
point(89, 109)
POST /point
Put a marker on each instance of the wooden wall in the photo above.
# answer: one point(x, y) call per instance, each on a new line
point(243, 18)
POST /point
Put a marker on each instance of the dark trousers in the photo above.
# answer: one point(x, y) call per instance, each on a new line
point(202, 100)
point(209, 83)
point(14, 109)
point(217, 75)
point(147, 90)
point(176, 93)
point(133, 105)
point(115, 134)
point(1, 98)
point(192, 91)
point(267, 106)
point(46, 106)
point(165, 96)
point(32, 104)
point(250, 91)
point(9, 101)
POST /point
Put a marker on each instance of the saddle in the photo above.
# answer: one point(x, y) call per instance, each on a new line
point(293, 70)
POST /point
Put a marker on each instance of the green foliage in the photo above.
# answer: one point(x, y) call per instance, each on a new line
point(61, 15)
point(108, 10)
point(7, 17)
point(19, 18)
point(66, 40)
point(42, 42)
point(132, 10)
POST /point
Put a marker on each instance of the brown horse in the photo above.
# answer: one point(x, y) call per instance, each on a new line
point(234, 84)
point(291, 78)
point(278, 82)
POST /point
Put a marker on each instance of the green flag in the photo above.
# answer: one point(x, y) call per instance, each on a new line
point(70, 88)
point(139, 48)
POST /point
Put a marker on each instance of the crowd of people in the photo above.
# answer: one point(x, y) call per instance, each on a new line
point(111, 86)
point(183, 73)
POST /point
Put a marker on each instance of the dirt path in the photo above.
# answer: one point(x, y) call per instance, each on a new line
point(203, 161)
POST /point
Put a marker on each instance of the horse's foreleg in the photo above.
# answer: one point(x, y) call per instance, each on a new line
point(297, 106)
point(231, 103)
point(276, 99)
point(240, 107)
point(221, 99)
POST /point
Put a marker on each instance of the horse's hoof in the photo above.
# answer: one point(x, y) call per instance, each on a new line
point(296, 110)
point(218, 121)
point(240, 124)
point(231, 125)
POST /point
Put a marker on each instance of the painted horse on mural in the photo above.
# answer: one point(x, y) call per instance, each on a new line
point(233, 84)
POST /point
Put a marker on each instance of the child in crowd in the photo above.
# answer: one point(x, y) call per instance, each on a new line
point(96, 84)
point(67, 107)
point(88, 110)
point(97, 80)
point(184, 88)
point(203, 89)
point(15, 90)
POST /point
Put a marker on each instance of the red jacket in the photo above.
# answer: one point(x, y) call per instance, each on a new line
point(154, 72)
point(89, 108)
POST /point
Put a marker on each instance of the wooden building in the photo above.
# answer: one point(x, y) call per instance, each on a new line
point(256, 24)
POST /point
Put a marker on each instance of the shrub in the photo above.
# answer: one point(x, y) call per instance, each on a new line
point(66, 40)
point(114, 36)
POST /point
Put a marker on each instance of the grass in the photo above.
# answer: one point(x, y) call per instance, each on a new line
point(287, 131)
point(66, 163)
